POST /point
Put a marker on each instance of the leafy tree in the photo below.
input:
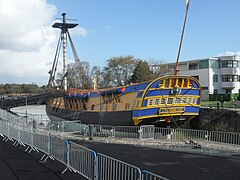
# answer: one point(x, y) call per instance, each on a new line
point(141, 72)
point(20, 88)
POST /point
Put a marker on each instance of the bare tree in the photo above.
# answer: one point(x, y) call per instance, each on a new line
point(118, 71)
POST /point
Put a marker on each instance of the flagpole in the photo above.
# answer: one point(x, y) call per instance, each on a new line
point(180, 45)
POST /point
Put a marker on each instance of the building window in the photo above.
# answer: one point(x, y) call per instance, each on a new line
point(156, 101)
point(228, 91)
point(193, 66)
point(235, 64)
point(229, 64)
point(230, 78)
point(215, 78)
point(204, 64)
point(215, 91)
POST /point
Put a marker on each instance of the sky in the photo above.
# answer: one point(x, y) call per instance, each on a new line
point(146, 29)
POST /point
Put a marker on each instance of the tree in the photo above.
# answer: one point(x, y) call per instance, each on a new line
point(118, 71)
point(141, 72)
point(78, 75)
point(155, 68)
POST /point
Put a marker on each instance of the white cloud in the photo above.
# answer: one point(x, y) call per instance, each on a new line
point(22, 24)
point(27, 40)
point(229, 53)
point(79, 31)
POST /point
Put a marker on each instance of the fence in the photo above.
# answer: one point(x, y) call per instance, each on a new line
point(146, 132)
point(113, 169)
point(75, 157)
point(91, 164)
point(227, 138)
point(146, 175)
point(87, 157)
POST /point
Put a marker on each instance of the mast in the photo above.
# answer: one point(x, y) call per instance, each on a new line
point(64, 26)
point(180, 45)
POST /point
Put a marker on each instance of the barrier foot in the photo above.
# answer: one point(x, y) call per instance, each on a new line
point(15, 143)
point(45, 157)
point(68, 168)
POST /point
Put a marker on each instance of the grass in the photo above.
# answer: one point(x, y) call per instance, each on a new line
point(226, 104)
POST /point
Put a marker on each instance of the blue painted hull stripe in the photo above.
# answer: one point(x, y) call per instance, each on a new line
point(154, 111)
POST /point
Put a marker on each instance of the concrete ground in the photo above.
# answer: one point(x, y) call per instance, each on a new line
point(171, 164)
point(16, 164)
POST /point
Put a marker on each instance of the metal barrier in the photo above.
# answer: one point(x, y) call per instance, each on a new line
point(101, 130)
point(71, 126)
point(76, 157)
point(228, 138)
point(58, 149)
point(92, 165)
point(113, 169)
point(146, 175)
point(82, 160)
point(41, 142)
point(131, 132)
point(188, 135)
point(163, 133)
point(146, 132)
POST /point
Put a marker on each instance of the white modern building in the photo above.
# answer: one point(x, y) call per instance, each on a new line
point(217, 75)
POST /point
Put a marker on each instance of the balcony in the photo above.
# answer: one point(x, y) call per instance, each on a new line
point(229, 85)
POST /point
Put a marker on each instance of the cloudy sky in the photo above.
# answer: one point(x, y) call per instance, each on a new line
point(142, 28)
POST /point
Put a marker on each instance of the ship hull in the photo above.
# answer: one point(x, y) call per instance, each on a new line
point(118, 118)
